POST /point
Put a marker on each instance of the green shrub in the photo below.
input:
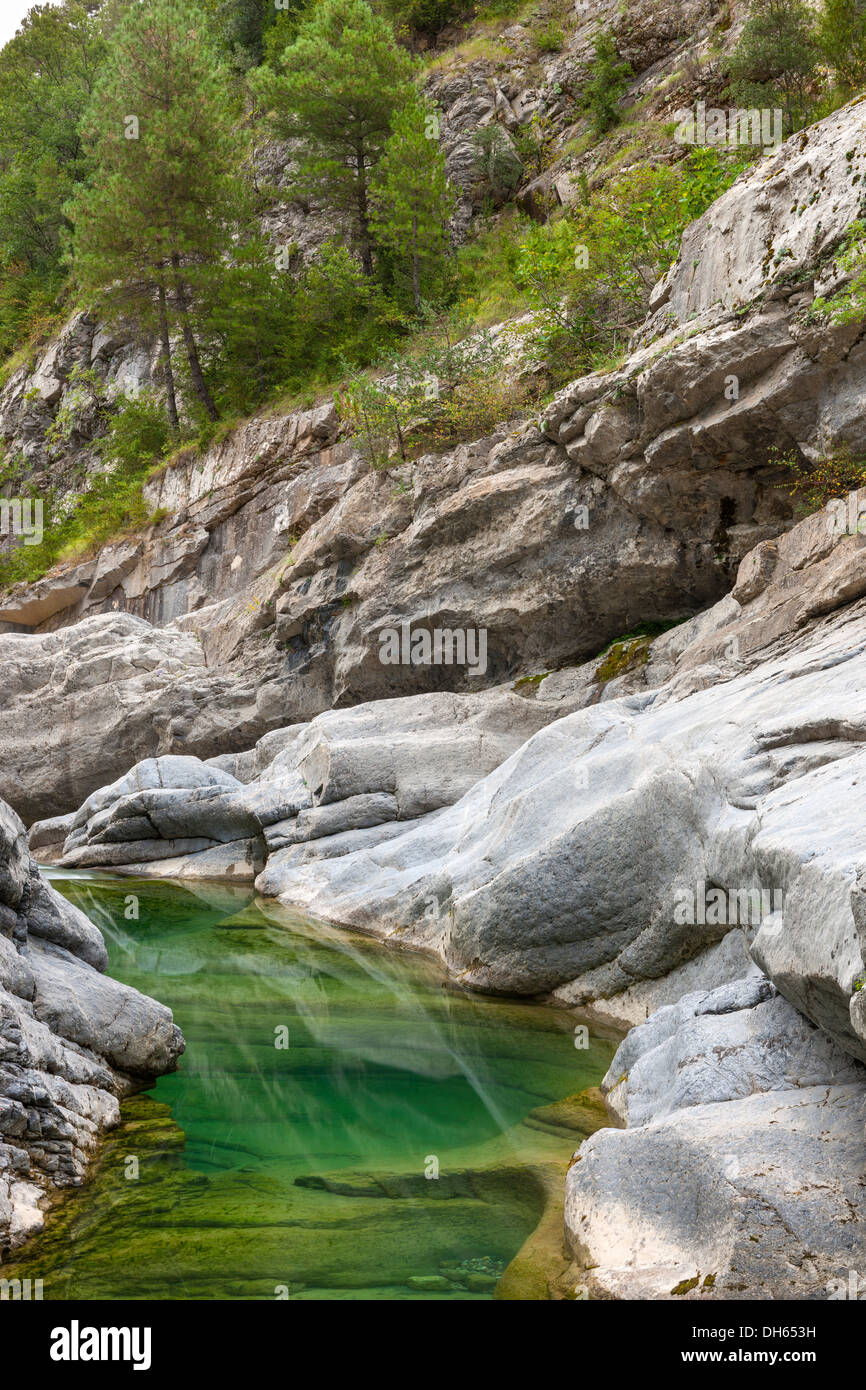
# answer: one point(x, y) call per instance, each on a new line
point(248, 329)
point(487, 268)
point(477, 405)
point(815, 484)
point(498, 162)
point(775, 60)
point(452, 387)
point(29, 307)
point(499, 9)
point(338, 313)
point(608, 80)
point(113, 505)
point(847, 304)
point(589, 275)
point(549, 38)
point(138, 435)
point(381, 414)
point(535, 144)
point(277, 333)
point(14, 473)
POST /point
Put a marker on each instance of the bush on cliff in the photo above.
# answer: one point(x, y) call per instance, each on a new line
point(608, 80)
point(776, 59)
point(136, 439)
point(589, 275)
point(452, 384)
point(814, 484)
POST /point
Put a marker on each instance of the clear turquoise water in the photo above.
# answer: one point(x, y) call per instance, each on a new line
point(270, 1171)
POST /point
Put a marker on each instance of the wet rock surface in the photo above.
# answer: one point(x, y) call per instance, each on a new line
point(72, 1041)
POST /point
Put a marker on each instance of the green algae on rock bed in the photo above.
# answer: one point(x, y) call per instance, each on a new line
point(326, 1081)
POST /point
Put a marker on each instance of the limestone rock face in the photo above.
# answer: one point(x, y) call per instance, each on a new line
point(517, 88)
point(505, 538)
point(229, 519)
point(284, 561)
point(346, 772)
point(292, 569)
point(34, 393)
point(72, 1041)
point(82, 704)
point(775, 222)
point(739, 1175)
point(584, 862)
point(471, 547)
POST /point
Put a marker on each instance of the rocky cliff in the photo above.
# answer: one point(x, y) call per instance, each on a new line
point(677, 843)
point(666, 834)
point(73, 1042)
point(284, 556)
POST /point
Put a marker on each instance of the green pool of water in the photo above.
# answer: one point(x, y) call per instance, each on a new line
point(326, 1081)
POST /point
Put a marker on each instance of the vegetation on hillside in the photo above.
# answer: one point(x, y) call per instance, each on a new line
point(129, 184)
point(136, 437)
point(814, 484)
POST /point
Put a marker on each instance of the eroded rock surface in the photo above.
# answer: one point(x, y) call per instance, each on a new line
point(72, 1041)
point(635, 498)
point(566, 866)
point(740, 1174)
point(317, 788)
point(81, 704)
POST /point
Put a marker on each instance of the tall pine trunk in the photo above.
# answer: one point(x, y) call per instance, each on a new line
point(192, 357)
point(363, 213)
point(415, 277)
point(171, 397)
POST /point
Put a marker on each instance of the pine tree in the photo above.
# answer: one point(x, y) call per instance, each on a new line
point(776, 58)
point(426, 16)
point(47, 74)
point(842, 39)
point(242, 27)
point(608, 81)
point(153, 226)
point(412, 200)
point(341, 84)
point(249, 323)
